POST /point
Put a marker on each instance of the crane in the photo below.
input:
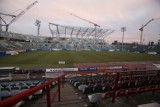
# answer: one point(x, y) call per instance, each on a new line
point(19, 15)
point(95, 25)
point(1, 18)
point(85, 20)
point(38, 24)
point(141, 29)
point(8, 14)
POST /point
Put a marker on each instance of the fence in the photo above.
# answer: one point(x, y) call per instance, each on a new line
point(22, 96)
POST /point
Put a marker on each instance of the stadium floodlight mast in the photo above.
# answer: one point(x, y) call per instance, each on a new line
point(38, 24)
point(123, 29)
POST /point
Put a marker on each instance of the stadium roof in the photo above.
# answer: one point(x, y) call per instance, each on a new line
point(78, 32)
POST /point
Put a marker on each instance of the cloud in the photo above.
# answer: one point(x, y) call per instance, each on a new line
point(109, 14)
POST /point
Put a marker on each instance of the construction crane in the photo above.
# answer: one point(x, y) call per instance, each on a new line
point(8, 14)
point(18, 16)
point(1, 19)
point(141, 29)
point(95, 25)
point(38, 24)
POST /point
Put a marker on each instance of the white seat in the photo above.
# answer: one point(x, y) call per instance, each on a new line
point(53, 83)
point(38, 92)
point(18, 104)
point(94, 97)
point(75, 84)
point(82, 87)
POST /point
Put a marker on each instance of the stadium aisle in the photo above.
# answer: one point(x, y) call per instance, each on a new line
point(69, 98)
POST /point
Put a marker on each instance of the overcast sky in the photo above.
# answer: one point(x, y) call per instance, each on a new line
point(109, 14)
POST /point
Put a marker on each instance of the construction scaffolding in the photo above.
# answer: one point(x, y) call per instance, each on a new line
point(80, 37)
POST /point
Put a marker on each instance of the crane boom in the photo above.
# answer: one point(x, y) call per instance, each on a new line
point(146, 24)
point(85, 20)
point(141, 29)
point(8, 14)
point(20, 14)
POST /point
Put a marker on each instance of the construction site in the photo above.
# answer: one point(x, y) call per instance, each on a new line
point(76, 66)
point(67, 37)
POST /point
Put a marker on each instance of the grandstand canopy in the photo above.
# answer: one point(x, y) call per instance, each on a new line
point(78, 32)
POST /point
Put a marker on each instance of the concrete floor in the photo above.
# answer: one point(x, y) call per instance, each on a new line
point(69, 98)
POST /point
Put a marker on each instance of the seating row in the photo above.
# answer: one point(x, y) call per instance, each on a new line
point(126, 85)
point(8, 89)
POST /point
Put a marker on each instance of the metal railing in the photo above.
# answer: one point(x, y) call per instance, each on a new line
point(11, 101)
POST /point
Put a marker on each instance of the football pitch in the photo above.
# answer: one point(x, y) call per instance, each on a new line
point(47, 59)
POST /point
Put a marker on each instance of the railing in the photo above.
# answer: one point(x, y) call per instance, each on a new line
point(122, 74)
point(22, 96)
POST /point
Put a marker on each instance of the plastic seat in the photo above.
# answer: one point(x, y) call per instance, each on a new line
point(88, 90)
point(143, 86)
point(75, 84)
point(38, 92)
point(4, 93)
point(98, 89)
point(123, 89)
point(93, 98)
point(124, 85)
point(131, 84)
point(108, 87)
point(82, 87)
point(14, 91)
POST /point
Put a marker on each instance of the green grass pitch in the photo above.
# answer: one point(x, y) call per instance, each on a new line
point(46, 59)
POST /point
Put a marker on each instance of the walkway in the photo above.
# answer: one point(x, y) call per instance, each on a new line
point(69, 98)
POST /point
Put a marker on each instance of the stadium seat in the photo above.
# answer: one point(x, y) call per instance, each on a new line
point(82, 87)
point(14, 91)
point(93, 98)
point(123, 89)
point(4, 93)
point(97, 89)
point(88, 90)
point(106, 88)
point(78, 84)
point(38, 92)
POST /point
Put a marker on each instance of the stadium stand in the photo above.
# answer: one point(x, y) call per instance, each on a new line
point(134, 82)
point(111, 83)
point(12, 88)
point(134, 78)
point(134, 47)
point(13, 41)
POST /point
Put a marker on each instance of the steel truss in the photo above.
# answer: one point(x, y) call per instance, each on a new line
point(80, 37)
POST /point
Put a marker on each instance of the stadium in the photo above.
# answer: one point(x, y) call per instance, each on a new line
point(76, 67)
